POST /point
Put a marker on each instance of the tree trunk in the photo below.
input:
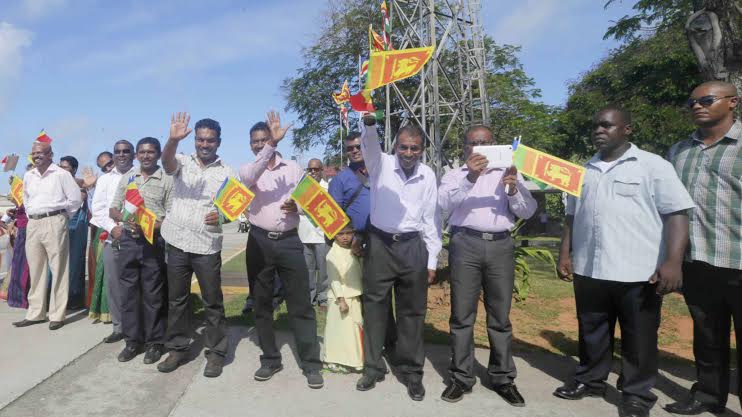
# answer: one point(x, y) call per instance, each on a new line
point(715, 35)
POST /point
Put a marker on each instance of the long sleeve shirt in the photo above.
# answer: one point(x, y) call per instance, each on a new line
point(342, 189)
point(483, 205)
point(400, 204)
point(105, 189)
point(55, 190)
point(272, 187)
point(344, 272)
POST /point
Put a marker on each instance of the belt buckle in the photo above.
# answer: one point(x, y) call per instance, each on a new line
point(488, 236)
point(274, 235)
point(395, 237)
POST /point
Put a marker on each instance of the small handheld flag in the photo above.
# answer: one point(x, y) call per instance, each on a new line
point(320, 206)
point(146, 219)
point(549, 169)
point(43, 137)
point(133, 200)
point(16, 190)
point(233, 198)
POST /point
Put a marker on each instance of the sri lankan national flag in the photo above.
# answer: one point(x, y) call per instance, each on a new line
point(386, 67)
point(43, 137)
point(549, 169)
point(375, 41)
point(233, 198)
point(133, 200)
point(16, 190)
point(319, 206)
point(146, 219)
point(343, 95)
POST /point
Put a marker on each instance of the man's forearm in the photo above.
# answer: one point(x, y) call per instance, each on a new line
point(676, 236)
point(566, 244)
point(169, 163)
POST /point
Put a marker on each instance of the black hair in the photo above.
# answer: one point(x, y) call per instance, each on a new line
point(70, 160)
point(150, 141)
point(625, 115)
point(124, 142)
point(353, 136)
point(104, 153)
point(472, 128)
point(210, 124)
point(414, 131)
point(260, 126)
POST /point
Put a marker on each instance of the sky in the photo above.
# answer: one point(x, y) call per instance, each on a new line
point(91, 72)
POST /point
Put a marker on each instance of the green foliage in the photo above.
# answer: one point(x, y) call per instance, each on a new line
point(652, 16)
point(523, 256)
point(651, 78)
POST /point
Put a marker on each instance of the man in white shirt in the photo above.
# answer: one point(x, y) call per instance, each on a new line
point(50, 196)
point(401, 253)
point(315, 248)
point(105, 190)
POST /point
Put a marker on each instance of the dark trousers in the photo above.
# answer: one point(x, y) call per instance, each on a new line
point(143, 290)
point(714, 297)
point(403, 266)
point(285, 256)
point(636, 307)
point(180, 268)
point(476, 265)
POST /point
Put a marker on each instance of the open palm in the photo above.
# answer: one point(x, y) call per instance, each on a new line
point(274, 124)
point(179, 126)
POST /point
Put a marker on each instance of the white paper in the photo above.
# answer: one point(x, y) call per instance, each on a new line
point(498, 156)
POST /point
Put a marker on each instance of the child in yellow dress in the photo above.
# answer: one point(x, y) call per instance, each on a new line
point(344, 326)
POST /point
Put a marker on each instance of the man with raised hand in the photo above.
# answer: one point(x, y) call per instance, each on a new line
point(273, 245)
point(193, 233)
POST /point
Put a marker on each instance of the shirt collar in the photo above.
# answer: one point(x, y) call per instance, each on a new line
point(734, 133)
point(52, 168)
point(217, 162)
point(157, 174)
point(631, 153)
point(279, 161)
point(415, 171)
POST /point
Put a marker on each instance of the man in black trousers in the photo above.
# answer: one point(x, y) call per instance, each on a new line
point(401, 253)
point(142, 264)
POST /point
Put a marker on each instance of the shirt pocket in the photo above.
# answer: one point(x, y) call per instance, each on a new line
point(625, 186)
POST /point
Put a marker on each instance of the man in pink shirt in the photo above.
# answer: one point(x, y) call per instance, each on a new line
point(273, 245)
point(482, 214)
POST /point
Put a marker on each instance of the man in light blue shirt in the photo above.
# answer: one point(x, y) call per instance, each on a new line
point(627, 233)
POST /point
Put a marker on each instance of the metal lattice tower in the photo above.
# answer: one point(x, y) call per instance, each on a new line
point(448, 95)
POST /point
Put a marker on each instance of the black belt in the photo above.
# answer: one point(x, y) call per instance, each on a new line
point(273, 235)
point(393, 237)
point(45, 215)
point(481, 235)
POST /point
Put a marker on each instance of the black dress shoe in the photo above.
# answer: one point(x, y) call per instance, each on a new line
point(153, 354)
point(54, 325)
point(26, 323)
point(578, 391)
point(214, 365)
point(173, 361)
point(368, 382)
point(509, 393)
point(113, 337)
point(130, 352)
point(266, 372)
point(693, 407)
point(416, 390)
point(454, 392)
point(633, 409)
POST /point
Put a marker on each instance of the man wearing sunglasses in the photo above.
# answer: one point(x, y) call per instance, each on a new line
point(105, 189)
point(315, 248)
point(709, 163)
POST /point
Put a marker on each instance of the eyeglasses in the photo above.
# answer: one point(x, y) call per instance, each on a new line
point(705, 101)
point(314, 169)
point(351, 148)
point(122, 151)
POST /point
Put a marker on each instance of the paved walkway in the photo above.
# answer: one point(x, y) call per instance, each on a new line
point(69, 372)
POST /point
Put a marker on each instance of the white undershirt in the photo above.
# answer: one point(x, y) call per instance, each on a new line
point(603, 165)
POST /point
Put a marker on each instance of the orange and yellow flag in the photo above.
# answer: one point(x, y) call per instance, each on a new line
point(320, 206)
point(233, 198)
point(549, 169)
point(16, 190)
point(343, 95)
point(386, 67)
point(146, 219)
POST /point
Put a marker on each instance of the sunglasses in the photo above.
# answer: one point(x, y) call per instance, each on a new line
point(705, 101)
point(351, 148)
point(121, 151)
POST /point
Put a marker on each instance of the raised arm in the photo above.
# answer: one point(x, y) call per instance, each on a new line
point(179, 130)
point(250, 173)
point(520, 200)
point(370, 147)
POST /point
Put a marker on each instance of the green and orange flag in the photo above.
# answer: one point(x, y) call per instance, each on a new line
point(549, 169)
point(16, 190)
point(133, 200)
point(319, 206)
point(146, 219)
point(386, 67)
point(233, 198)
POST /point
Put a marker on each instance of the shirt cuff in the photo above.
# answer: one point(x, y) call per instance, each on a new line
point(517, 199)
point(465, 184)
point(433, 262)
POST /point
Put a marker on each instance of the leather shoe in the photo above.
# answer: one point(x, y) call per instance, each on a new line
point(578, 391)
point(214, 365)
point(55, 325)
point(113, 337)
point(153, 354)
point(26, 323)
point(368, 382)
point(509, 393)
point(632, 409)
point(416, 390)
point(173, 361)
point(454, 392)
point(266, 372)
point(130, 352)
point(315, 380)
point(693, 407)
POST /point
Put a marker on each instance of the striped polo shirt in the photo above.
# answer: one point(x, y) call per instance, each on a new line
point(713, 176)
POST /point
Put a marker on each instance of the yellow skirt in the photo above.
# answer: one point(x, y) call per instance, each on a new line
point(344, 334)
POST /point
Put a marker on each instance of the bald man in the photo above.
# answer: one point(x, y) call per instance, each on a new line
point(709, 163)
point(51, 196)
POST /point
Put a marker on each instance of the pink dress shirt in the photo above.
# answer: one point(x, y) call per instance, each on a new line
point(272, 187)
point(483, 206)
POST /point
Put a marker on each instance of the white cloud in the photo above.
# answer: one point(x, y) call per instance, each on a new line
point(12, 42)
point(40, 8)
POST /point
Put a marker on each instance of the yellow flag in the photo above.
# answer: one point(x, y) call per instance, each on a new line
point(16, 190)
point(386, 67)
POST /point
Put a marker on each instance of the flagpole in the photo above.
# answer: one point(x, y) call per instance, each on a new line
point(388, 121)
point(341, 139)
point(360, 117)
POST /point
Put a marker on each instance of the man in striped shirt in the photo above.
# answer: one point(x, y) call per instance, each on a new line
point(709, 163)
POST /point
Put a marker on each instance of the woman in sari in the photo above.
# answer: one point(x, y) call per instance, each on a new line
point(78, 229)
point(99, 302)
point(19, 279)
